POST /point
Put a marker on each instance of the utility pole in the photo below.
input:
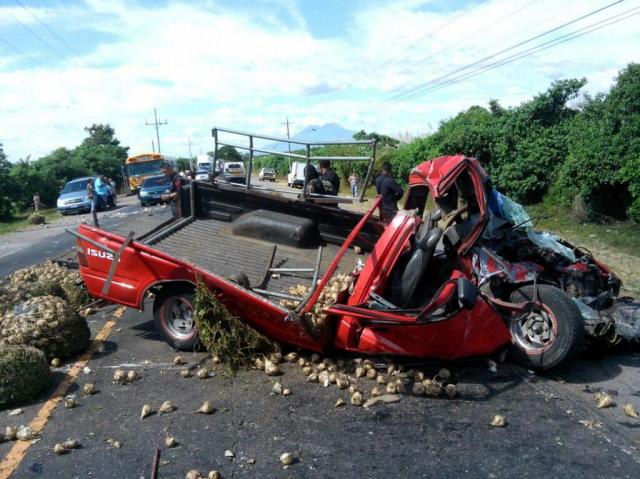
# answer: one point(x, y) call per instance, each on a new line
point(156, 123)
point(153, 146)
point(288, 137)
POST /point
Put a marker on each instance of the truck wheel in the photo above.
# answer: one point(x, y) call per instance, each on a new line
point(173, 315)
point(547, 337)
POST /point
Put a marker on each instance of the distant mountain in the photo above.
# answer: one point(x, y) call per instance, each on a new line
point(328, 132)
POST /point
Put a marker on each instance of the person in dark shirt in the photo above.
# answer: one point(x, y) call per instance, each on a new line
point(173, 197)
point(312, 181)
point(390, 191)
point(329, 178)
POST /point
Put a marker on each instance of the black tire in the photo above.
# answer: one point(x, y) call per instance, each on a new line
point(560, 319)
point(169, 304)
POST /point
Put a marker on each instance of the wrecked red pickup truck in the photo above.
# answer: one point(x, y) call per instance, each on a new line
point(436, 282)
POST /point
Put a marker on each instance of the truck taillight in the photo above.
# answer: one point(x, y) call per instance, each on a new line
point(82, 259)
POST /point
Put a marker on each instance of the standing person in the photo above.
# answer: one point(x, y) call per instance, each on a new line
point(175, 189)
point(390, 191)
point(329, 178)
point(353, 181)
point(36, 203)
point(93, 197)
point(312, 181)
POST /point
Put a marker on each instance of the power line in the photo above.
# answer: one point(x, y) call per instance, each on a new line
point(474, 33)
point(157, 124)
point(430, 34)
point(42, 40)
point(411, 91)
point(49, 29)
point(20, 52)
point(533, 50)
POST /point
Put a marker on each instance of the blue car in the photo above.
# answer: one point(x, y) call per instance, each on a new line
point(152, 189)
point(73, 197)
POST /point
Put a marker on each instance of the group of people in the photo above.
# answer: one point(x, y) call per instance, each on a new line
point(327, 182)
point(102, 192)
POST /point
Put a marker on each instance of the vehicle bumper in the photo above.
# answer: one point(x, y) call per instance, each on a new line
point(75, 207)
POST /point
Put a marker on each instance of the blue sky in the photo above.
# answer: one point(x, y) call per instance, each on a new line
point(249, 64)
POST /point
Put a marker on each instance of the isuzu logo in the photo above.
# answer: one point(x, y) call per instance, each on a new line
point(99, 254)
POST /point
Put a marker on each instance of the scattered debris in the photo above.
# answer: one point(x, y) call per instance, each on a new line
point(383, 398)
point(166, 407)
point(185, 373)
point(271, 368)
point(603, 400)
point(59, 449)
point(498, 421)
point(114, 443)
point(25, 433)
point(10, 433)
point(71, 444)
point(119, 376)
point(357, 399)
point(286, 392)
point(214, 475)
point(590, 423)
point(69, 403)
point(55, 363)
point(206, 408)
point(146, 411)
point(193, 474)
point(630, 410)
point(492, 366)
point(170, 441)
point(178, 361)
point(229, 454)
point(16, 412)
point(340, 402)
point(202, 373)
point(286, 459)
point(88, 389)
point(132, 376)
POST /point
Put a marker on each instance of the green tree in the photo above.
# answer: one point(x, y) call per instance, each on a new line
point(381, 140)
point(100, 134)
point(228, 153)
point(7, 186)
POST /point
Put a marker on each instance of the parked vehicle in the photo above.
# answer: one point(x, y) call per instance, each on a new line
point(152, 189)
point(203, 174)
point(233, 172)
point(73, 197)
point(421, 289)
point(267, 174)
point(295, 178)
point(204, 162)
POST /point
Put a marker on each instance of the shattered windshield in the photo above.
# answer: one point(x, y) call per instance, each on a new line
point(504, 208)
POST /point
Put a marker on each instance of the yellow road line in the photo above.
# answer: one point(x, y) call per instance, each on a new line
point(16, 454)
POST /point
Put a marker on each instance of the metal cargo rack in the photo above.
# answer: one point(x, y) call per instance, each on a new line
point(307, 157)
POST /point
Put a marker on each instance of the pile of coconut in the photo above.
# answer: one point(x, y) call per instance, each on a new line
point(47, 323)
point(365, 380)
point(24, 374)
point(337, 286)
point(48, 278)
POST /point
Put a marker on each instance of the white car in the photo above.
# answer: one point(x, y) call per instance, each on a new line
point(202, 174)
point(267, 174)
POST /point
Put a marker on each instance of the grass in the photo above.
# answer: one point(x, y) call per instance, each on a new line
point(20, 221)
point(615, 243)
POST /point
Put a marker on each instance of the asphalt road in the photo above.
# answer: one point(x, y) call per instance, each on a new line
point(417, 437)
point(35, 244)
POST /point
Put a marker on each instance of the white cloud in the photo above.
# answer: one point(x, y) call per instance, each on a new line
point(208, 64)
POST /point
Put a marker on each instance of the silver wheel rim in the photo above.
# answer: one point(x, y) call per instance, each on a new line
point(178, 317)
point(535, 331)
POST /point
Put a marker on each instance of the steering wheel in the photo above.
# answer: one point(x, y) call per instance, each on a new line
point(455, 214)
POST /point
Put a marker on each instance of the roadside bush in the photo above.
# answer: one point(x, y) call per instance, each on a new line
point(24, 374)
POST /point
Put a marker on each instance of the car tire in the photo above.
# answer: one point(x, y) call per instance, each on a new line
point(559, 317)
point(173, 316)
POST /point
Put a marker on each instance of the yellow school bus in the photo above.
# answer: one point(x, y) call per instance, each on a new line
point(143, 165)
